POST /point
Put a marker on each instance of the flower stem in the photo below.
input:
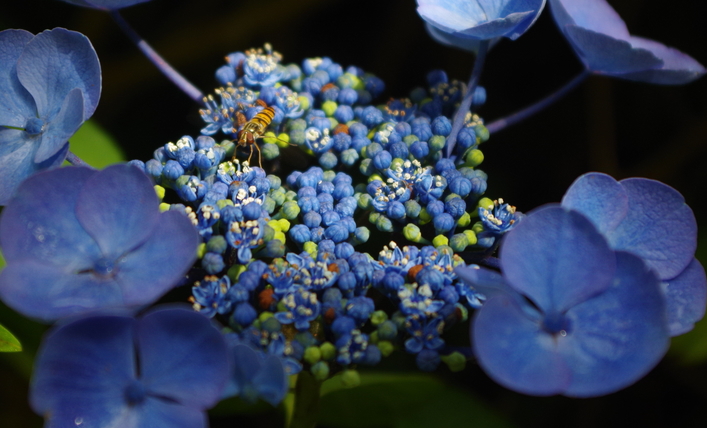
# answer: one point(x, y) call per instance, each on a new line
point(75, 160)
point(182, 83)
point(306, 408)
point(465, 105)
point(520, 115)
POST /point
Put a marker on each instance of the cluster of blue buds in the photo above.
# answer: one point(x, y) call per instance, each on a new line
point(285, 263)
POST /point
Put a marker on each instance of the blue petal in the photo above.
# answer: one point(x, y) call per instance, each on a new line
point(161, 413)
point(16, 165)
point(154, 268)
point(511, 26)
point(105, 4)
point(678, 68)
point(600, 198)
point(659, 227)
point(65, 124)
point(81, 371)
point(40, 290)
point(246, 365)
point(272, 381)
point(686, 296)
point(53, 63)
point(606, 55)
point(182, 357)
point(449, 39)
point(515, 352)
point(118, 207)
point(556, 258)
point(18, 104)
point(618, 336)
point(40, 221)
point(595, 15)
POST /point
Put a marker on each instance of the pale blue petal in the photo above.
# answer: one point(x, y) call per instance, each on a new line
point(686, 297)
point(118, 207)
point(182, 356)
point(600, 198)
point(149, 271)
point(618, 336)
point(17, 104)
point(65, 124)
point(515, 352)
point(556, 258)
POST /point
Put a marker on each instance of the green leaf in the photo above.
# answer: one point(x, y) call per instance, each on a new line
point(8, 342)
point(95, 146)
point(403, 401)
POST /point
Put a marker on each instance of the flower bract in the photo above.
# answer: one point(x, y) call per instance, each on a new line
point(49, 85)
point(76, 240)
point(162, 370)
point(479, 19)
point(651, 220)
point(600, 38)
point(570, 315)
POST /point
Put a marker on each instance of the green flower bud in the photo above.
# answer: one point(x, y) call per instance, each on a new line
point(312, 354)
point(350, 378)
point(455, 361)
point(320, 371)
point(329, 107)
point(328, 351)
point(474, 158)
point(436, 143)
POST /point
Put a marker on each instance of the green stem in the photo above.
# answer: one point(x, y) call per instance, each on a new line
point(306, 407)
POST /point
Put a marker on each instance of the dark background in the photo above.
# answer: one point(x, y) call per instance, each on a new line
point(621, 128)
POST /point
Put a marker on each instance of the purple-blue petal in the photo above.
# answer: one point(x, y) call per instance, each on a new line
point(158, 412)
point(272, 381)
point(659, 227)
point(556, 258)
point(65, 124)
point(40, 221)
point(600, 198)
point(81, 370)
point(182, 357)
point(18, 104)
point(677, 69)
point(118, 207)
point(53, 63)
point(595, 15)
point(619, 335)
point(105, 4)
point(152, 269)
point(515, 352)
point(47, 292)
point(686, 297)
point(245, 364)
point(511, 26)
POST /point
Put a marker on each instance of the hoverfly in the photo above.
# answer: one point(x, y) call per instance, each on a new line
point(254, 129)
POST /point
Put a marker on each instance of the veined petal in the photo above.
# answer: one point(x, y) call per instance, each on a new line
point(677, 69)
point(511, 26)
point(594, 15)
point(81, 370)
point(53, 63)
point(686, 296)
point(39, 222)
point(600, 198)
point(515, 352)
point(16, 165)
point(118, 207)
point(105, 4)
point(157, 412)
point(17, 104)
point(172, 343)
point(556, 258)
point(659, 227)
point(619, 335)
point(62, 127)
point(46, 292)
point(156, 266)
point(604, 54)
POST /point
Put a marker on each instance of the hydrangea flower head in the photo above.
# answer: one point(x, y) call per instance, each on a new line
point(49, 85)
point(77, 239)
point(651, 220)
point(162, 370)
point(480, 19)
point(105, 4)
point(601, 40)
point(597, 319)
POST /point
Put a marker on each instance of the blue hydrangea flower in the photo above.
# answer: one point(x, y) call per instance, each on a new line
point(481, 19)
point(651, 220)
point(77, 239)
point(256, 375)
point(162, 370)
point(597, 320)
point(105, 4)
point(601, 40)
point(49, 85)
